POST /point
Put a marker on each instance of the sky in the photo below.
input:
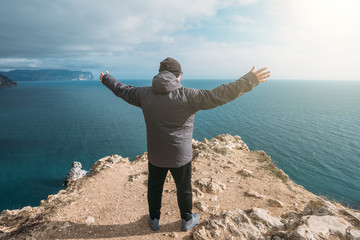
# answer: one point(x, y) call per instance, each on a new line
point(212, 39)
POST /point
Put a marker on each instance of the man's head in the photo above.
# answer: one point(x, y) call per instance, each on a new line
point(171, 65)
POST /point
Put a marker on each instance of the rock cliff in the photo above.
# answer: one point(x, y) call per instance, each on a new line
point(239, 194)
point(6, 82)
point(48, 75)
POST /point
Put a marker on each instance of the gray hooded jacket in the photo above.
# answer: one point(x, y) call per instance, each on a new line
point(169, 111)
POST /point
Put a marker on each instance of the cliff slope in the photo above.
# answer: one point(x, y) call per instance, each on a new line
point(239, 194)
point(6, 82)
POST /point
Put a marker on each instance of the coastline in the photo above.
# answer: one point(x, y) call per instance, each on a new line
point(230, 183)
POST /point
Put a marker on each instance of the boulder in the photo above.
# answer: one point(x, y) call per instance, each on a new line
point(320, 207)
point(74, 173)
point(321, 227)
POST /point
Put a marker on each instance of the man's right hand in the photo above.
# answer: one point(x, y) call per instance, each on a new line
point(261, 75)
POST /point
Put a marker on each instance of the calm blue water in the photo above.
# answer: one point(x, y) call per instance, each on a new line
point(311, 130)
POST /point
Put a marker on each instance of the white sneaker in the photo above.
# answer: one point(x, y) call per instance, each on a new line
point(187, 225)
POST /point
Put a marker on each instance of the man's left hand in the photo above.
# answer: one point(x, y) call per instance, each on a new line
point(102, 75)
point(261, 75)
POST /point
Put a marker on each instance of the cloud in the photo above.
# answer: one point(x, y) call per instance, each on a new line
point(211, 38)
point(65, 32)
point(38, 28)
point(242, 19)
point(21, 63)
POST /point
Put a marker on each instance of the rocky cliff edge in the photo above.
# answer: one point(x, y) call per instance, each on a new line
point(239, 194)
point(6, 82)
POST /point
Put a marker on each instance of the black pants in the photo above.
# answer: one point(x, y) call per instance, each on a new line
point(182, 177)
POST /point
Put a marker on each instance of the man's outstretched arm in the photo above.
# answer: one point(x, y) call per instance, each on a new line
point(207, 99)
point(126, 92)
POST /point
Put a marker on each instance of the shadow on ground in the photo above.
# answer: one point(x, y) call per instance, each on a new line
point(67, 230)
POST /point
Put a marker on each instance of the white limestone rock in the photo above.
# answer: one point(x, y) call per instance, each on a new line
point(353, 234)
point(214, 198)
point(244, 224)
point(264, 216)
point(218, 146)
point(214, 208)
point(197, 192)
point(320, 207)
point(238, 216)
point(200, 234)
point(354, 216)
point(201, 206)
point(274, 203)
point(259, 224)
point(210, 185)
point(245, 172)
point(245, 228)
point(320, 227)
point(75, 172)
point(89, 220)
point(250, 193)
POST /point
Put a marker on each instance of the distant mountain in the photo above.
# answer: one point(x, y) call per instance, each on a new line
point(6, 82)
point(48, 75)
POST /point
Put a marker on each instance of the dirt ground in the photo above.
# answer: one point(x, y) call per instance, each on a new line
point(113, 203)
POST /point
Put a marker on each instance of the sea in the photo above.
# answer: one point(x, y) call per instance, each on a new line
point(310, 129)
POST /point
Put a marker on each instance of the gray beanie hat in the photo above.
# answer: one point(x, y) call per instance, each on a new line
point(171, 65)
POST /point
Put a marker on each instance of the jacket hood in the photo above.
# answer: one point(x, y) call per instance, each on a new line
point(165, 82)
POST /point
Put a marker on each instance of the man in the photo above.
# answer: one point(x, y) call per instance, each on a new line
point(169, 111)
